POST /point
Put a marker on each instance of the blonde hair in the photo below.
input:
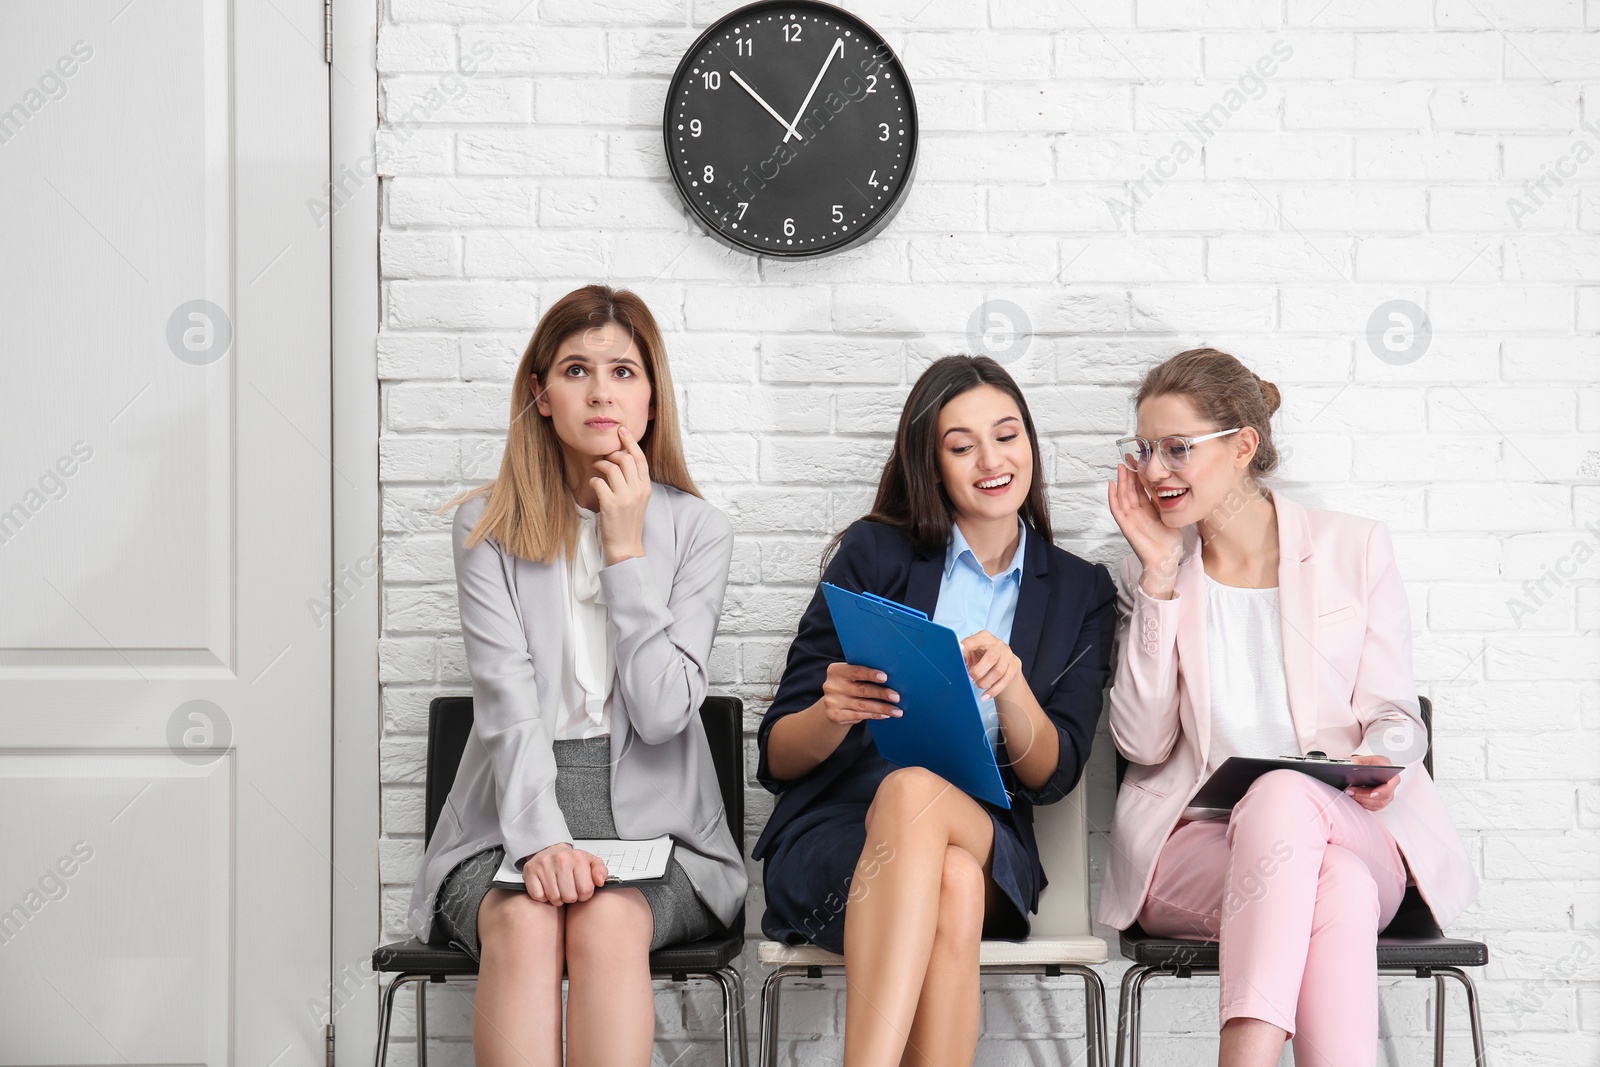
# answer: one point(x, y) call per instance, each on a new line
point(1221, 390)
point(530, 512)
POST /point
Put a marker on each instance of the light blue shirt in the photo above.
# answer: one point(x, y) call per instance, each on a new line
point(971, 600)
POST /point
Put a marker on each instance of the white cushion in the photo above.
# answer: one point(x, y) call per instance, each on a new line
point(1035, 950)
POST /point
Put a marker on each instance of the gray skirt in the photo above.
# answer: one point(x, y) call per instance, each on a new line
point(583, 792)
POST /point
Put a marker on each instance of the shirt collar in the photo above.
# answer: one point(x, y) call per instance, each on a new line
point(958, 547)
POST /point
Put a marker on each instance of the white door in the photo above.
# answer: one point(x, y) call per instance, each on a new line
point(164, 532)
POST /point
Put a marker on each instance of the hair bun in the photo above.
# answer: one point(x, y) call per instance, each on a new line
point(1269, 392)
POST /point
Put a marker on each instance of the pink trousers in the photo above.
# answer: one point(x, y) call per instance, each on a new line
point(1295, 885)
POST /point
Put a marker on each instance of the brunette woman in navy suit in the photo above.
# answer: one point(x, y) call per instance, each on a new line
point(894, 867)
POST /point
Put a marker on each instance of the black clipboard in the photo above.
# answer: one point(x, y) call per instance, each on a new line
point(1227, 786)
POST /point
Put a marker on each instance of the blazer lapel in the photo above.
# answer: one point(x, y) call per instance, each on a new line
point(1297, 597)
point(1033, 599)
point(1192, 647)
point(922, 587)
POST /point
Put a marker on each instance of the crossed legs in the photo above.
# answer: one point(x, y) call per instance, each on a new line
point(603, 944)
point(1295, 886)
point(913, 923)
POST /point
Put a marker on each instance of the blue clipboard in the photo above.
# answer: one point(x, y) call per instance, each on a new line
point(941, 727)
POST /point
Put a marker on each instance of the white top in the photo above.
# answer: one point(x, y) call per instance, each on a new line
point(587, 676)
point(1249, 695)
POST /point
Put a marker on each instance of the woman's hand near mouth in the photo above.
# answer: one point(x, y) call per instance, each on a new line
point(622, 488)
point(1157, 545)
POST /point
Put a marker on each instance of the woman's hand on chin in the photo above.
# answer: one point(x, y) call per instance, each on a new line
point(622, 491)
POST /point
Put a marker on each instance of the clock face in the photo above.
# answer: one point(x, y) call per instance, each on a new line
point(790, 129)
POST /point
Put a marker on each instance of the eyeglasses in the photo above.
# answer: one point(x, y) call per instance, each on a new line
point(1136, 451)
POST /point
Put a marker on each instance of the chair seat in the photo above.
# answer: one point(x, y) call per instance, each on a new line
point(417, 957)
point(420, 957)
point(1393, 952)
point(1033, 951)
point(707, 954)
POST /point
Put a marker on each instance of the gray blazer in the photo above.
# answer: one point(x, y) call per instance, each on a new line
point(664, 608)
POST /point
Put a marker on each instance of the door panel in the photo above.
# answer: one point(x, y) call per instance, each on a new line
point(165, 545)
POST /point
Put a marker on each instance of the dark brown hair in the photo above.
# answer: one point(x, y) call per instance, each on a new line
point(910, 495)
point(530, 512)
point(1221, 390)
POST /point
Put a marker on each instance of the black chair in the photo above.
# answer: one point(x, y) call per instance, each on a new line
point(1412, 943)
point(711, 958)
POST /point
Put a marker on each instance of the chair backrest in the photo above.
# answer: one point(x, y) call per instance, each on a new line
point(1427, 723)
point(1062, 831)
point(450, 724)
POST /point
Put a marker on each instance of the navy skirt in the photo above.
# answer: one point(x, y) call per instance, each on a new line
point(811, 866)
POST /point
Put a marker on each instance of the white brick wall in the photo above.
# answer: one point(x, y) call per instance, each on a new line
point(520, 157)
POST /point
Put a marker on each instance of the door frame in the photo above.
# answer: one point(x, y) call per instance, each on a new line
point(357, 529)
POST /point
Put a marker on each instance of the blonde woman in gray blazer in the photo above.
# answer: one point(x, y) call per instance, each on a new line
point(590, 575)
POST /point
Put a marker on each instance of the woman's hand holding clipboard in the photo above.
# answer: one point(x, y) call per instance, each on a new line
point(1378, 797)
point(852, 694)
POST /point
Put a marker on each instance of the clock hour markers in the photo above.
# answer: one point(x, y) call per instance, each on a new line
point(845, 160)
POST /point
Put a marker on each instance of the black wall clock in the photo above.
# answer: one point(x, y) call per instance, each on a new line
point(790, 129)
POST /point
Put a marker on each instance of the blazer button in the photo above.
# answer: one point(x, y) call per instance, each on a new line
point(1150, 647)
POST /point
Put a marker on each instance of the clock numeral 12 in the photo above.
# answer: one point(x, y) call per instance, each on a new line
point(791, 31)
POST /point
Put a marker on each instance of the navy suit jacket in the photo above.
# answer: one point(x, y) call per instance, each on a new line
point(1062, 632)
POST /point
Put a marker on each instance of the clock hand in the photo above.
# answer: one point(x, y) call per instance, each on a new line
point(757, 96)
point(838, 46)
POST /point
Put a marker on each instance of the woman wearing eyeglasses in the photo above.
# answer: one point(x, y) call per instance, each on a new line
point(1251, 625)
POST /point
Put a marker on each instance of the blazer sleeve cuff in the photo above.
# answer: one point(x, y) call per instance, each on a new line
point(1154, 623)
point(535, 831)
point(631, 597)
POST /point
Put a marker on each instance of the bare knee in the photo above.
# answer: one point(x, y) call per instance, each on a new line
point(609, 929)
point(962, 888)
point(903, 797)
point(515, 922)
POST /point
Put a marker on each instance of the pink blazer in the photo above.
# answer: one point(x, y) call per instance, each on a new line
point(1347, 664)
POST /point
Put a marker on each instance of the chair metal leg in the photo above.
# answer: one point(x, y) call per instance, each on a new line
point(732, 1033)
point(422, 1023)
point(386, 1015)
point(1473, 1018)
point(739, 1015)
point(1438, 1020)
point(1133, 980)
point(771, 991)
point(1094, 1005)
